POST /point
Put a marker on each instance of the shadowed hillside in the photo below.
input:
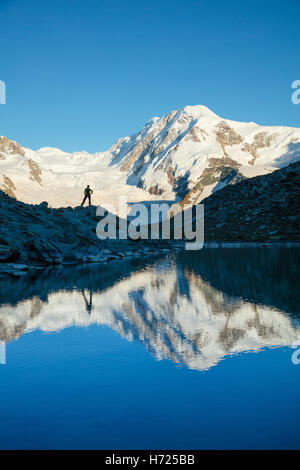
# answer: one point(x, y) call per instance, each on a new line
point(263, 208)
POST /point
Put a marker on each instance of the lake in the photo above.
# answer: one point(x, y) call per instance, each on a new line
point(193, 350)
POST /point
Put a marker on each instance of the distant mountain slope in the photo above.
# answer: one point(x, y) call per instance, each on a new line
point(186, 155)
point(59, 178)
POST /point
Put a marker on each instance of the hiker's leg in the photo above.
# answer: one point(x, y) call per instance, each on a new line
point(84, 199)
point(89, 200)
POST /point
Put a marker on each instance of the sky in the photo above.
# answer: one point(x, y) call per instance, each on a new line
point(81, 74)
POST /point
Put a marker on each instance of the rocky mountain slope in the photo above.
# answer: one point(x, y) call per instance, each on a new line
point(263, 208)
point(183, 156)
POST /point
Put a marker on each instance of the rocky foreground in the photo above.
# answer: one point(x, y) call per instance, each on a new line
point(41, 236)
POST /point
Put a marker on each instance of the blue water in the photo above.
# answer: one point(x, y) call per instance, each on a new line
point(191, 351)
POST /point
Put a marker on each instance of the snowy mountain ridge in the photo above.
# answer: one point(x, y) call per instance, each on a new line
point(184, 156)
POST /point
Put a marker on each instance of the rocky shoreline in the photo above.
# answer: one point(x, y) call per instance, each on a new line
point(21, 268)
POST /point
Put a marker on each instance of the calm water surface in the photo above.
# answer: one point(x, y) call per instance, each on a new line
point(188, 351)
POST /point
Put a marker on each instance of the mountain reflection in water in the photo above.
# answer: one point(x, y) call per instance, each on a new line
point(192, 308)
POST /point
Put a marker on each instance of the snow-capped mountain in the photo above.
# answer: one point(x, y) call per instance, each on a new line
point(183, 156)
point(192, 152)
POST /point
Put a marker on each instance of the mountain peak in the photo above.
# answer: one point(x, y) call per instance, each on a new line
point(199, 111)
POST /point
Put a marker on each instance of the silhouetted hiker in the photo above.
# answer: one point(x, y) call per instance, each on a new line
point(87, 195)
point(88, 304)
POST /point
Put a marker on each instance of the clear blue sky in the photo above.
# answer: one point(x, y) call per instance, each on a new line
point(80, 74)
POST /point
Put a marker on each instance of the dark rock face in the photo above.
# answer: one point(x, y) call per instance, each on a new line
point(263, 208)
point(46, 236)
